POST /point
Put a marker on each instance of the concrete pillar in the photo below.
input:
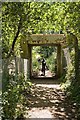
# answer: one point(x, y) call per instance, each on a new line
point(21, 65)
point(59, 61)
point(29, 61)
point(26, 69)
point(76, 58)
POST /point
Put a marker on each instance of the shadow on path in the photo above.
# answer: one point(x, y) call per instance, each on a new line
point(49, 101)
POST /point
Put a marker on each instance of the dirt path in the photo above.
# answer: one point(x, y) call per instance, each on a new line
point(48, 101)
point(47, 74)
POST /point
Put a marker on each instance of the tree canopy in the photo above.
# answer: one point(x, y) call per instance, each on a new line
point(21, 18)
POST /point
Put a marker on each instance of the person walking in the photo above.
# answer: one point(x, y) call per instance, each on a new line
point(43, 66)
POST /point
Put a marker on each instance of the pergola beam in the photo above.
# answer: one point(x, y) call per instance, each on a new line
point(45, 40)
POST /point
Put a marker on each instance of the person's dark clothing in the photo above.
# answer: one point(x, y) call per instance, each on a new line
point(43, 66)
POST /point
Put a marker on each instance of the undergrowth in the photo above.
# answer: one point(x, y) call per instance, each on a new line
point(72, 89)
point(14, 99)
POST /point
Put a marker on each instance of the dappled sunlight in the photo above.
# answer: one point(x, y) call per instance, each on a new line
point(49, 101)
point(40, 40)
point(57, 86)
point(40, 113)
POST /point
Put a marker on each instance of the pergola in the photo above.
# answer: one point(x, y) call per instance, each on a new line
point(27, 43)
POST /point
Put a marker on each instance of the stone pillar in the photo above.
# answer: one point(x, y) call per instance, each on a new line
point(76, 58)
point(59, 61)
point(29, 61)
point(25, 68)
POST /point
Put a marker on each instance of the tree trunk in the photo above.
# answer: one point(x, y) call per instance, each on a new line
point(15, 38)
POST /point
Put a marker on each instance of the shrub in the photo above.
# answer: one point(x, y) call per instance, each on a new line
point(14, 96)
